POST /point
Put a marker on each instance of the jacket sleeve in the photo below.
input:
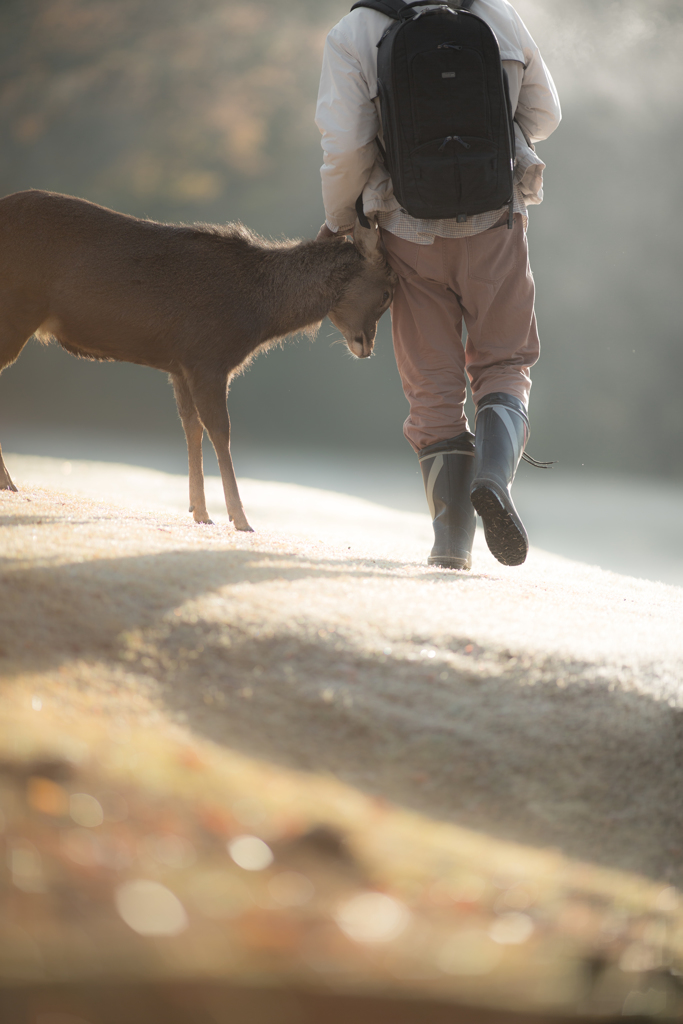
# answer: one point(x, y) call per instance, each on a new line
point(538, 109)
point(528, 165)
point(347, 119)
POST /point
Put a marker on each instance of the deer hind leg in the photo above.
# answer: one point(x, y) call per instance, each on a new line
point(210, 401)
point(194, 431)
point(11, 344)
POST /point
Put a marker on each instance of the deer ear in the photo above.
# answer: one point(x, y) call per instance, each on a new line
point(368, 241)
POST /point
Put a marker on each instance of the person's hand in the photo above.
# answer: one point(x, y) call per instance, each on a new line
point(325, 232)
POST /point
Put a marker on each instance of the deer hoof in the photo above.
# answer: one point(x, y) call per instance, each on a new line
point(199, 518)
point(9, 486)
point(240, 521)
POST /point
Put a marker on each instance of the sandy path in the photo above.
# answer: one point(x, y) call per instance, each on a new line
point(540, 704)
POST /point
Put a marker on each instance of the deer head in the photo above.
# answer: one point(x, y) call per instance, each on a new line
point(368, 294)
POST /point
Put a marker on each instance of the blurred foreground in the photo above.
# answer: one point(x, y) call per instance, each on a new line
point(503, 828)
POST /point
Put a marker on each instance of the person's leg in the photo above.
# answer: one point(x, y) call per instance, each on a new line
point(426, 325)
point(498, 298)
point(497, 293)
point(427, 332)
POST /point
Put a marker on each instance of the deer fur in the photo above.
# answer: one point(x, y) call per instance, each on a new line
point(195, 301)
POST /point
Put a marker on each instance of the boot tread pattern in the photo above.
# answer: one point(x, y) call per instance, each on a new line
point(506, 538)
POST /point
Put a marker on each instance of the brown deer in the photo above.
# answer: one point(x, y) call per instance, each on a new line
point(195, 301)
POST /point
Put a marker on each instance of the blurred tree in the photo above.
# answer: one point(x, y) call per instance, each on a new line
point(160, 106)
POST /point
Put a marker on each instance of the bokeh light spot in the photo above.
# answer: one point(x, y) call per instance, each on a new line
point(250, 853)
point(85, 810)
point(372, 917)
point(668, 900)
point(47, 796)
point(149, 908)
point(26, 866)
point(511, 929)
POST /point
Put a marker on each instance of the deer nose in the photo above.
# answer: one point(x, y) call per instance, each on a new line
point(364, 346)
point(361, 345)
point(356, 346)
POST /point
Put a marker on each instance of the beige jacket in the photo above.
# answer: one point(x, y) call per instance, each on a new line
point(348, 113)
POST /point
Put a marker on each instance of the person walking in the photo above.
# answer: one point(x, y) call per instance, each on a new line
point(460, 252)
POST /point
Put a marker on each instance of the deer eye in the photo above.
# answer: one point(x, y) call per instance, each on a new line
point(385, 297)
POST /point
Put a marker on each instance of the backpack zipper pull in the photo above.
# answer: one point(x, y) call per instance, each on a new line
point(454, 138)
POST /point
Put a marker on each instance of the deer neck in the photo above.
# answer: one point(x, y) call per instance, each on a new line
point(309, 279)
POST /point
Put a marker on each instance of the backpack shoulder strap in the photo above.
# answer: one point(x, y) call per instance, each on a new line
point(390, 7)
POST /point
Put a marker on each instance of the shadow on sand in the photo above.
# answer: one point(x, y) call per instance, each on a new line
point(582, 768)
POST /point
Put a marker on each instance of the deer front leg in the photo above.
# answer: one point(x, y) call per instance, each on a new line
point(12, 340)
point(210, 402)
point(194, 431)
point(5, 479)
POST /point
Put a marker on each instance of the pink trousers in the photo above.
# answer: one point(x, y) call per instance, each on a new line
point(485, 280)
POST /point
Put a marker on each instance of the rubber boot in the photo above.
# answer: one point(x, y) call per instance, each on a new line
point(447, 470)
point(501, 433)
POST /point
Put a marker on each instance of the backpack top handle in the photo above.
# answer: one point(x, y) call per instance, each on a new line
point(408, 12)
point(399, 10)
point(392, 8)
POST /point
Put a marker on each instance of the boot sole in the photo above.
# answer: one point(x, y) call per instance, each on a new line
point(449, 563)
point(505, 535)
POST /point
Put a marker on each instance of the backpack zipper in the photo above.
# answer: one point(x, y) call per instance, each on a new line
point(454, 138)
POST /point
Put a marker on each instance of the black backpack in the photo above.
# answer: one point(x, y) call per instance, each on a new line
point(446, 116)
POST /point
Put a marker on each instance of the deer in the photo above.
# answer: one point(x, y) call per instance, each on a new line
point(195, 301)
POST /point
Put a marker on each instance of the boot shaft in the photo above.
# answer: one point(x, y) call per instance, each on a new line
point(447, 472)
point(501, 431)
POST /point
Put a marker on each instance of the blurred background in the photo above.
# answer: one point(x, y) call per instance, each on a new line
point(204, 112)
